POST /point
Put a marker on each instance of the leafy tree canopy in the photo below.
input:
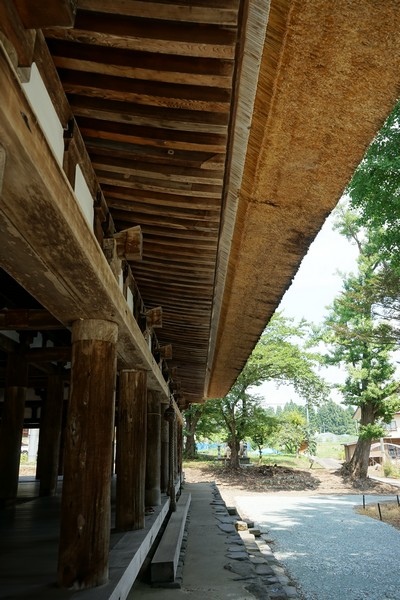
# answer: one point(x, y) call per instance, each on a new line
point(375, 190)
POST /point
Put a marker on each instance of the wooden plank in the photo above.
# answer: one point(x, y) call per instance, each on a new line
point(158, 198)
point(165, 561)
point(149, 116)
point(153, 64)
point(129, 71)
point(146, 35)
point(146, 213)
point(166, 138)
point(154, 171)
point(219, 13)
point(137, 43)
point(170, 187)
point(36, 14)
point(208, 160)
point(150, 93)
point(199, 236)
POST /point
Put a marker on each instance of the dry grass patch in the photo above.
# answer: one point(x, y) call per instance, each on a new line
point(388, 512)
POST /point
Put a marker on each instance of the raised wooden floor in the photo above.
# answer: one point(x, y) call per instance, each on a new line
point(29, 548)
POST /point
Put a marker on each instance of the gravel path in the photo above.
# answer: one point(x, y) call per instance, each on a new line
point(331, 551)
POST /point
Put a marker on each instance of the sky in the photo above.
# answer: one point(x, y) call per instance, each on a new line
point(314, 287)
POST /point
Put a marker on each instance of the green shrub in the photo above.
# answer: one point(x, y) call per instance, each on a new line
point(390, 470)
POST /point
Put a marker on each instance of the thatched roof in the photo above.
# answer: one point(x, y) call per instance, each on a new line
point(226, 129)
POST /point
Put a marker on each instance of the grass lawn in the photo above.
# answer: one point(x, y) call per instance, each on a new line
point(282, 460)
point(330, 450)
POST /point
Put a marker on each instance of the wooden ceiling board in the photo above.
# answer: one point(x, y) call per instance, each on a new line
point(151, 87)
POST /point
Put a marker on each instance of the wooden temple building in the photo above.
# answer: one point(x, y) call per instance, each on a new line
point(164, 167)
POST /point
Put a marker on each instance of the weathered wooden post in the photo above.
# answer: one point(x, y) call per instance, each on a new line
point(11, 426)
point(85, 506)
point(131, 450)
point(164, 453)
point(170, 416)
point(153, 454)
point(50, 435)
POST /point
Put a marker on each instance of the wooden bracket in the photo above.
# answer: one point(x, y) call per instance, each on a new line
point(166, 352)
point(110, 252)
point(154, 317)
point(130, 243)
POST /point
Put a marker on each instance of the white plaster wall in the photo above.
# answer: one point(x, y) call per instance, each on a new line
point(43, 107)
point(84, 196)
point(129, 300)
point(121, 280)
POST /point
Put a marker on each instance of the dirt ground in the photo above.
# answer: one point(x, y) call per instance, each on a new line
point(281, 480)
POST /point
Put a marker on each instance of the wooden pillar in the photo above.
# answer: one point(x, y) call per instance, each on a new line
point(12, 422)
point(85, 506)
point(164, 452)
point(131, 450)
point(50, 435)
point(153, 453)
point(179, 449)
point(170, 416)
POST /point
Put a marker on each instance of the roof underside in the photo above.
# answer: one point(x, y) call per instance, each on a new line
point(226, 129)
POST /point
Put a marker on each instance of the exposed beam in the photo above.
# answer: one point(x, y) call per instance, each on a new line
point(28, 319)
point(36, 14)
point(50, 354)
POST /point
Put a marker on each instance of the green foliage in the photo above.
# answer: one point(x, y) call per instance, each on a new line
point(361, 343)
point(389, 470)
point(261, 428)
point(278, 356)
point(282, 355)
point(292, 432)
point(371, 431)
point(375, 190)
point(334, 418)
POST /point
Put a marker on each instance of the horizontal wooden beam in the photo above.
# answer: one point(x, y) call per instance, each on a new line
point(28, 319)
point(50, 354)
point(225, 13)
point(36, 14)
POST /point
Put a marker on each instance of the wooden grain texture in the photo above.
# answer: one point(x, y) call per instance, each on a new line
point(85, 507)
point(50, 435)
point(153, 451)
point(12, 420)
point(131, 450)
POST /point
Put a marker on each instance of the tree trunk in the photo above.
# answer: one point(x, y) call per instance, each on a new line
point(234, 446)
point(358, 465)
point(192, 418)
point(190, 445)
